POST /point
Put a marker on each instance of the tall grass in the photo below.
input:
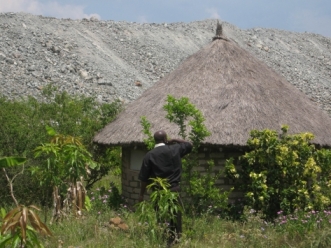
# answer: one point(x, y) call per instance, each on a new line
point(302, 229)
point(207, 231)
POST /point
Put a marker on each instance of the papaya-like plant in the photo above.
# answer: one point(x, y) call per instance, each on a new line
point(67, 163)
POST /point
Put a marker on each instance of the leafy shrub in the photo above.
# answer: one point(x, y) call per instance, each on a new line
point(22, 129)
point(115, 199)
point(164, 201)
point(66, 163)
point(283, 172)
point(109, 159)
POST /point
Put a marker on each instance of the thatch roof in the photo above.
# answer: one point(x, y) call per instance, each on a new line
point(236, 93)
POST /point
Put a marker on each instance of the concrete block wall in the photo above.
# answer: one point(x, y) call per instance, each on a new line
point(131, 184)
point(219, 155)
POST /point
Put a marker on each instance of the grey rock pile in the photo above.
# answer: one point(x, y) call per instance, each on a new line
point(111, 59)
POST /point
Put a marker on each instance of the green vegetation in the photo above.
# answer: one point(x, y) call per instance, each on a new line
point(67, 163)
point(285, 178)
point(23, 129)
point(164, 202)
point(23, 122)
point(21, 233)
point(283, 173)
point(17, 220)
point(301, 229)
point(201, 190)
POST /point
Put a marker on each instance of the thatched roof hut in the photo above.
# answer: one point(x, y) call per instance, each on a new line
point(236, 93)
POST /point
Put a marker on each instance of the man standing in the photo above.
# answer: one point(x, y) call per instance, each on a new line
point(164, 161)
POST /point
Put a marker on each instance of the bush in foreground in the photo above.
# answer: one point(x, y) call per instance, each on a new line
point(282, 172)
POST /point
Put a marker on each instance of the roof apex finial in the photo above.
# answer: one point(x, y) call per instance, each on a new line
point(219, 32)
point(219, 29)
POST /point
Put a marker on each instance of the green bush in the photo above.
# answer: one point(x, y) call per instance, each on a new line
point(23, 121)
point(115, 199)
point(109, 159)
point(22, 129)
point(283, 173)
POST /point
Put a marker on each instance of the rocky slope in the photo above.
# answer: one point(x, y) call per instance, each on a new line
point(110, 59)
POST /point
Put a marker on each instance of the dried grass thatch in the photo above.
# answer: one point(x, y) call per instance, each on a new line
point(236, 93)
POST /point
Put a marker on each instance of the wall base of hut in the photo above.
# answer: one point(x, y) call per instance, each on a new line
point(218, 154)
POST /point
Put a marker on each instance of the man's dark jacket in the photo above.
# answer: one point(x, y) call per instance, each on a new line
point(164, 161)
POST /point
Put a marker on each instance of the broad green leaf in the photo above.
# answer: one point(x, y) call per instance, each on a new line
point(3, 213)
point(17, 240)
point(11, 161)
point(50, 131)
point(5, 240)
point(88, 204)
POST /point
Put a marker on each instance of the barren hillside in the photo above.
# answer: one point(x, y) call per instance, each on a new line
point(112, 59)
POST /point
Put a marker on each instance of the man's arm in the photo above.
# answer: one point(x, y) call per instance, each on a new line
point(174, 141)
point(185, 146)
point(143, 186)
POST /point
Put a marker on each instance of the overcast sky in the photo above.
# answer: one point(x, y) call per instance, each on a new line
point(293, 15)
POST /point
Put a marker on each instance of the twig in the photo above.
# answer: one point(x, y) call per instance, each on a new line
point(10, 182)
point(10, 186)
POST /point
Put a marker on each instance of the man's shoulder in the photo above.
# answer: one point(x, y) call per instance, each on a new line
point(156, 150)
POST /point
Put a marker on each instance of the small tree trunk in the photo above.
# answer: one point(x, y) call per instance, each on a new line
point(56, 205)
point(73, 199)
point(80, 197)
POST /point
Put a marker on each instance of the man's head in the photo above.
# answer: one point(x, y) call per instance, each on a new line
point(160, 137)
